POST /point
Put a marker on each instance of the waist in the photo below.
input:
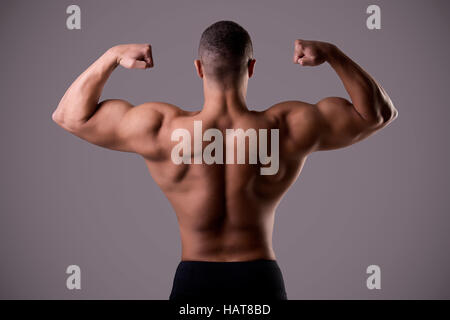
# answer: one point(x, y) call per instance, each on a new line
point(236, 246)
point(227, 267)
point(201, 253)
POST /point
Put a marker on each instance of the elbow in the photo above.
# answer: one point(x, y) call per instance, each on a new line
point(387, 113)
point(394, 114)
point(387, 110)
point(382, 109)
point(384, 114)
point(59, 118)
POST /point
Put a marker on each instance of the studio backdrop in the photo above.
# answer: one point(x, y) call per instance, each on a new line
point(381, 202)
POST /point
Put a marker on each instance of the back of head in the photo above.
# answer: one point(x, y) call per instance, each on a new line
point(225, 50)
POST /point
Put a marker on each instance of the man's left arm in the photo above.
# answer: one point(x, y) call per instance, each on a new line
point(113, 124)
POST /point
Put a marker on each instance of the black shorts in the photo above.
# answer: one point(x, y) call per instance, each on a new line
point(209, 280)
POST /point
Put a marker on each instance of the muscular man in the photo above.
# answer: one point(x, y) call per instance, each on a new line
point(225, 211)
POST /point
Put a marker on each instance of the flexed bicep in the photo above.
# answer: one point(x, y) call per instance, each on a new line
point(339, 122)
point(80, 112)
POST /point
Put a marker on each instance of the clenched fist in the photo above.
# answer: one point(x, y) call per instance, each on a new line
point(133, 56)
point(311, 53)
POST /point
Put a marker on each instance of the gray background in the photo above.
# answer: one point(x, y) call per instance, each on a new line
point(383, 201)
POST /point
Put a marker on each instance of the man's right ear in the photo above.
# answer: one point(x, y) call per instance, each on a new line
point(199, 68)
point(251, 67)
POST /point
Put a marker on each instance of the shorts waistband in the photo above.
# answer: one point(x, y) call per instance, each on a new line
point(268, 261)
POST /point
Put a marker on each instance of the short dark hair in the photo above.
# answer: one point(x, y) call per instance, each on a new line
point(225, 50)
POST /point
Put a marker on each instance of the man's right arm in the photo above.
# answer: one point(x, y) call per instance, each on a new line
point(339, 122)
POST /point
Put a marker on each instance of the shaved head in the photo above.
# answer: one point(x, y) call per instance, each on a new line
point(225, 50)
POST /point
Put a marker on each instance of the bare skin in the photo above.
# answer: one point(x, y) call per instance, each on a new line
point(225, 211)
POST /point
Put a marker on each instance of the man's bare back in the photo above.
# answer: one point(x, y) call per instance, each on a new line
point(225, 211)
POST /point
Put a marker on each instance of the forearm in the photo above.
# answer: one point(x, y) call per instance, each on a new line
point(368, 97)
point(80, 101)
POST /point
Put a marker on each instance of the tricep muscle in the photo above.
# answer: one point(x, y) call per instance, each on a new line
point(340, 124)
point(117, 125)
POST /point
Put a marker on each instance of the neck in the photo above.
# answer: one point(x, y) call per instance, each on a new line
point(221, 100)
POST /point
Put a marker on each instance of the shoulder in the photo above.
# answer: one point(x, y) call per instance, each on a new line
point(158, 107)
point(143, 124)
point(300, 122)
point(289, 107)
point(154, 114)
point(292, 112)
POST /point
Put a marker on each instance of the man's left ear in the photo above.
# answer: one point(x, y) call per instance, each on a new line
point(251, 67)
point(198, 67)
